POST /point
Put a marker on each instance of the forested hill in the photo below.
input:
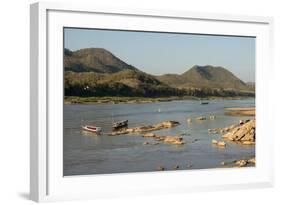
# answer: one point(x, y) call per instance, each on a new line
point(97, 72)
point(93, 60)
point(205, 77)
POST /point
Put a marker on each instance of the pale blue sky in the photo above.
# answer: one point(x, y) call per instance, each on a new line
point(161, 53)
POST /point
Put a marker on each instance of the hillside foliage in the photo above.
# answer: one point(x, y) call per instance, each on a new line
point(97, 72)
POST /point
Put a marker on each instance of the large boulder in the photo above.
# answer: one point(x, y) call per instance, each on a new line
point(173, 140)
point(243, 133)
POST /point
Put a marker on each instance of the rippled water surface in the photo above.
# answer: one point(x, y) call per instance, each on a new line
point(85, 153)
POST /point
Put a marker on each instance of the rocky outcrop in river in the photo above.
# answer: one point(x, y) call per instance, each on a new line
point(147, 128)
point(240, 163)
point(166, 139)
point(244, 133)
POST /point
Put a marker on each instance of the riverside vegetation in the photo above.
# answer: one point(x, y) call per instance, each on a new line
point(94, 75)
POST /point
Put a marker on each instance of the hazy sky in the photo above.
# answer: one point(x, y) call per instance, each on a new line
point(160, 53)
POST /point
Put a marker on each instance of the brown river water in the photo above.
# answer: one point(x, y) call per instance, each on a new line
point(85, 153)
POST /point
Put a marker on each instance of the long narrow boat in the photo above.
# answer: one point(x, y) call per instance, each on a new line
point(90, 128)
point(120, 124)
point(204, 102)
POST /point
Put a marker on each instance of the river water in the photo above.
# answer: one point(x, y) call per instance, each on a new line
point(85, 153)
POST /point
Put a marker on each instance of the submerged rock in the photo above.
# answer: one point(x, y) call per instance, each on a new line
point(166, 139)
point(189, 166)
point(218, 143)
point(160, 168)
point(151, 135)
point(240, 163)
point(173, 140)
point(192, 141)
point(168, 124)
point(214, 142)
point(201, 118)
point(221, 130)
point(221, 144)
point(184, 133)
point(176, 167)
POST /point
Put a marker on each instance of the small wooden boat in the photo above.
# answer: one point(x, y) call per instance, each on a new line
point(204, 103)
point(120, 124)
point(90, 128)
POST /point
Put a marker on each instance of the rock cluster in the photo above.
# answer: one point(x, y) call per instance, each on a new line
point(240, 163)
point(176, 167)
point(148, 128)
point(244, 133)
point(166, 139)
point(201, 118)
point(221, 130)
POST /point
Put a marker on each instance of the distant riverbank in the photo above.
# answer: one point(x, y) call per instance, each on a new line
point(132, 100)
point(251, 111)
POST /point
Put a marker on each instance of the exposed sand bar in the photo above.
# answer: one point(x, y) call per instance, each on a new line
point(250, 111)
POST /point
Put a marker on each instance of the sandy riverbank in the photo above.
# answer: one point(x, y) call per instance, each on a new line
point(138, 100)
point(251, 111)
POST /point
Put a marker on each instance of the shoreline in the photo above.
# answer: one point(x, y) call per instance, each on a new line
point(71, 100)
point(249, 111)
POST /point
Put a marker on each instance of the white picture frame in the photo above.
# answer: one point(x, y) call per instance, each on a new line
point(46, 180)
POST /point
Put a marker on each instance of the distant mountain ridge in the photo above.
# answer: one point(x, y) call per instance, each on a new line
point(97, 72)
point(97, 60)
point(205, 77)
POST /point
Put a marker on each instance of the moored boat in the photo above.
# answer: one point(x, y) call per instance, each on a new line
point(120, 124)
point(91, 128)
point(204, 102)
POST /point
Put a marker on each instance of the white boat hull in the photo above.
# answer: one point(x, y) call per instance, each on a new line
point(92, 129)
